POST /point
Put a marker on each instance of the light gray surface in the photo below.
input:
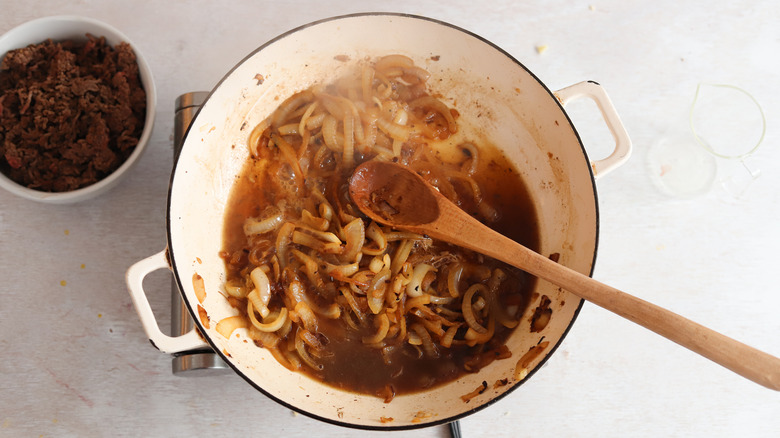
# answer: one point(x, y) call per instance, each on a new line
point(75, 361)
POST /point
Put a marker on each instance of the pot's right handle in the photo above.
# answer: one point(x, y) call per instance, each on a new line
point(191, 340)
point(595, 91)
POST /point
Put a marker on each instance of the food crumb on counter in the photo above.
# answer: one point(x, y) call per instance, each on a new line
point(67, 232)
point(100, 315)
point(63, 283)
point(541, 48)
point(83, 266)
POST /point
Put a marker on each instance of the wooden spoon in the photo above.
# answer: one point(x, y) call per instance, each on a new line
point(395, 195)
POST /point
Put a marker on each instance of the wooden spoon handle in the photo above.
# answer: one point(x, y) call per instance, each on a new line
point(742, 359)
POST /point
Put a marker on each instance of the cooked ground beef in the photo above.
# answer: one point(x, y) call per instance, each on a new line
point(70, 113)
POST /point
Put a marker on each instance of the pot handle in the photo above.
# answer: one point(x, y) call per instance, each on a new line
point(134, 278)
point(595, 91)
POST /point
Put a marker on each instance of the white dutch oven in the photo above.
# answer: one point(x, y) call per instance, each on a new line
point(518, 114)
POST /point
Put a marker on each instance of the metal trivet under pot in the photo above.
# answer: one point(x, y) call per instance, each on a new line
point(200, 362)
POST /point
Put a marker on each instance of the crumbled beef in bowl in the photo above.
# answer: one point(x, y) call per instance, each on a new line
point(70, 112)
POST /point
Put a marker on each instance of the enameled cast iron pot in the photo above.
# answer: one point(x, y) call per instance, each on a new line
point(518, 114)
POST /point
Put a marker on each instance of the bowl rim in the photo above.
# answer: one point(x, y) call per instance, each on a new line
point(147, 80)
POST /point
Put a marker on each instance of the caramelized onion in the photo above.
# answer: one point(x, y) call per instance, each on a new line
point(352, 303)
point(199, 286)
point(226, 326)
point(453, 279)
point(289, 105)
point(393, 61)
point(383, 325)
point(266, 339)
point(425, 338)
point(414, 288)
point(438, 106)
point(300, 347)
point(449, 335)
point(317, 223)
point(261, 294)
point(236, 290)
point(329, 134)
point(376, 291)
point(307, 316)
point(305, 117)
point(283, 241)
point(394, 130)
point(277, 319)
point(271, 220)
point(468, 310)
point(355, 234)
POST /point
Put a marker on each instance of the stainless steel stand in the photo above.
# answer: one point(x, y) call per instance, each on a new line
point(197, 362)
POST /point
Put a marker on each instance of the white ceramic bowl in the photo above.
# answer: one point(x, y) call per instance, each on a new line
point(69, 27)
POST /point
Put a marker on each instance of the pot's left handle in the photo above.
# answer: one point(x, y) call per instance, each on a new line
point(191, 340)
point(595, 91)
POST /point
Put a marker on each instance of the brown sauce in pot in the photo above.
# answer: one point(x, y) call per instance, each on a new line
point(352, 303)
point(352, 366)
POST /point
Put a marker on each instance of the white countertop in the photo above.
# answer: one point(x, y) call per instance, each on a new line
point(75, 360)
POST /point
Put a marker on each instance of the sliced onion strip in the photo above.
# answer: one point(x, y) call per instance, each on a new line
point(394, 130)
point(283, 241)
point(453, 279)
point(329, 133)
point(468, 309)
point(308, 319)
point(376, 291)
point(449, 336)
point(383, 325)
point(276, 322)
point(317, 223)
point(300, 347)
point(226, 326)
point(473, 338)
point(352, 303)
point(355, 234)
point(289, 105)
point(262, 291)
point(289, 155)
point(414, 288)
point(438, 106)
point(267, 339)
point(427, 343)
